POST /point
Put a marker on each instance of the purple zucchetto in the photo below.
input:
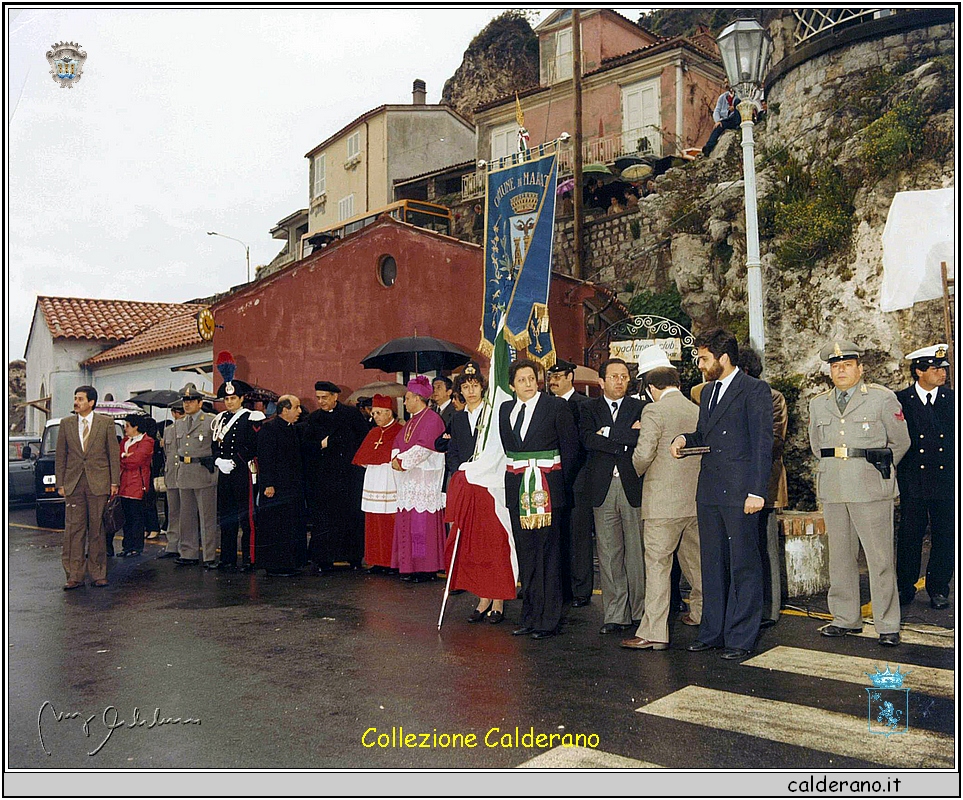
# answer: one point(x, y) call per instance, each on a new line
point(420, 386)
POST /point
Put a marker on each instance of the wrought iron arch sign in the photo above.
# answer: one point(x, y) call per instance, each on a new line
point(630, 328)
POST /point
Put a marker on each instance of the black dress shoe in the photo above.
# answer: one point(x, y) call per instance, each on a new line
point(835, 631)
point(767, 623)
point(453, 592)
point(888, 640)
point(479, 614)
point(543, 634)
point(494, 617)
point(734, 653)
point(939, 602)
point(210, 565)
point(408, 577)
point(579, 602)
point(523, 631)
point(699, 647)
point(187, 562)
point(222, 567)
point(613, 627)
point(167, 555)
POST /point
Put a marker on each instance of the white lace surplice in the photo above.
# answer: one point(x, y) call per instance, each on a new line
point(419, 485)
point(380, 493)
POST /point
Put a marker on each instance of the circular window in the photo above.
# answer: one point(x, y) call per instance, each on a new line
point(387, 271)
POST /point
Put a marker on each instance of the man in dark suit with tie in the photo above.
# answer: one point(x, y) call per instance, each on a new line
point(609, 427)
point(87, 466)
point(927, 478)
point(540, 442)
point(441, 389)
point(577, 570)
point(735, 423)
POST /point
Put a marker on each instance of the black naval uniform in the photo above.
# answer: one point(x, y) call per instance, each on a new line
point(927, 481)
point(235, 493)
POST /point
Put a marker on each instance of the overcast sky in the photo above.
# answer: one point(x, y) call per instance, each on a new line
point(185, 121)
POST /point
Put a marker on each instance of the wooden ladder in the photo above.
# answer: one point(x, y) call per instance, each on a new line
point(949, 314)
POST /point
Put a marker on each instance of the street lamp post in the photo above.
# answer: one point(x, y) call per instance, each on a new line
point(247, 250)
point(745, 48)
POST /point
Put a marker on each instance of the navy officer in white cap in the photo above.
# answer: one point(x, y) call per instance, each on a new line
point(858, 433)
point(927, 478)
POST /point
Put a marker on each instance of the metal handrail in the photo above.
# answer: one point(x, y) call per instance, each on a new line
point(815, 22)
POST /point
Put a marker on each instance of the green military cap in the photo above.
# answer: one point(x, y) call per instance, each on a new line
point(840, 350)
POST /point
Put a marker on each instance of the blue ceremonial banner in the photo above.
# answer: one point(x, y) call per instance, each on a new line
point(519, 227)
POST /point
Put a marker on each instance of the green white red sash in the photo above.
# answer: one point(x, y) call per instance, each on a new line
point(534, 497)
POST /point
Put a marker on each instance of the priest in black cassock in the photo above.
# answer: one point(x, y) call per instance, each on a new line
point(281, 542)
point(332, 435)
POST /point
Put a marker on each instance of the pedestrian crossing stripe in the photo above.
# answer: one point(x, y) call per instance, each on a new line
point(934, 639)
point(926, 680)
point(583, 758)
point(803, 726)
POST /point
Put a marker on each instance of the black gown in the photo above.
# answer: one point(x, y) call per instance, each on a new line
point(334, 484)
point(281, 541)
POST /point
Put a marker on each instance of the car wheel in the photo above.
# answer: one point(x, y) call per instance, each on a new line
point(50, 516)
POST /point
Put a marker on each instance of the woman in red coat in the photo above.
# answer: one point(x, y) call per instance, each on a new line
point(136, 452)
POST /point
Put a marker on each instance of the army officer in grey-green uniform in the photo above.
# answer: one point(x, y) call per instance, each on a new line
point(858, 433)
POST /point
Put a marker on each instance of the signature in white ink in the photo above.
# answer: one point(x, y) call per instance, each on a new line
point(111, 721)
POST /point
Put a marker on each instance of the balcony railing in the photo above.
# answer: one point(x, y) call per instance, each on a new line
point(599, 149)
point(812, 23)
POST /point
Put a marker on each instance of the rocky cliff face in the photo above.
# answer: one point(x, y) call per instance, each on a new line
point(503, 58)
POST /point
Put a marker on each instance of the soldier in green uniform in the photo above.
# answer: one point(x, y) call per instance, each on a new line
point(197, 482)
point(858, 433)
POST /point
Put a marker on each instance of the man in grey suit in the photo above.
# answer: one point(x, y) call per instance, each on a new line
point(197, 482)
point(170, 481)
point(87, 466)
point(858, 433)
point(668, 500)
point(609, 428)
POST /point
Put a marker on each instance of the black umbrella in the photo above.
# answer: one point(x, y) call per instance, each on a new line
point(623, 163)
point(415, 354)
point(162, 398)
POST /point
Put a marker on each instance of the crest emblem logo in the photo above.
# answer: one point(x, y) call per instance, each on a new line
point(66, 61)
point(888, 702)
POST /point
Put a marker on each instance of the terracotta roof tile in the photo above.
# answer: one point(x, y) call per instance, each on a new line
point(175, 333)
point(84, 318)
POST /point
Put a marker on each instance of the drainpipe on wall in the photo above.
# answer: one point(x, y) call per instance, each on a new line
point(679, 80)
point(367, 158)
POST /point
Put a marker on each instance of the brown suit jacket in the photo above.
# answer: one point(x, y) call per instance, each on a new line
point(100, 462)
point(669, 488)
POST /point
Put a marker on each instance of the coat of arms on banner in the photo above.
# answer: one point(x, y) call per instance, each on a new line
point(888, 702)
point(522, 225)
point(66, 61)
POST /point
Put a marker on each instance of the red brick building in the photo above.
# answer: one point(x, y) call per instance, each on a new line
point(317, 318)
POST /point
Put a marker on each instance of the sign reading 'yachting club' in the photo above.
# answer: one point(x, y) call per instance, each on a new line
point(66, 61)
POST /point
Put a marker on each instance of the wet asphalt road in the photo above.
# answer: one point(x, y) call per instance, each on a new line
point(291, 673)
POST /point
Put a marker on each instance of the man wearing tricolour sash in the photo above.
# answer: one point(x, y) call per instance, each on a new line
point(540, 441)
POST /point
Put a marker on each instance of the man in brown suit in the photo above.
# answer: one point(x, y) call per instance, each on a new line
point(668, 500)
point(88, 473)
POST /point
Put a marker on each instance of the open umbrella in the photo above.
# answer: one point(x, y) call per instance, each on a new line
point(637, 172)
point(117, 408)
point(162, 398)
point(259, 393)
point(565, 186)
point(379, 387)
point(624, 162)
point(415, 354)
point(599, 172)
